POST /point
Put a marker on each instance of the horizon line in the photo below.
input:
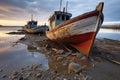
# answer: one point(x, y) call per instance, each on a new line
point(104, 23)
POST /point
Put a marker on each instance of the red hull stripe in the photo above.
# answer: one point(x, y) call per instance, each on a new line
point(84, 46)
point(81, 42)
point(76, 39)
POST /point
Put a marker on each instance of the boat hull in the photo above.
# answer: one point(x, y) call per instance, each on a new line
point(34, 30)
point(78, 32)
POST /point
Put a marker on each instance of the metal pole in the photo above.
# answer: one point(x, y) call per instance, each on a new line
point(60, 4)
point(66, 5)
point(31, 17)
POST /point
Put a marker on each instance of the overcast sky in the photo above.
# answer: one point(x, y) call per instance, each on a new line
point(21, 10)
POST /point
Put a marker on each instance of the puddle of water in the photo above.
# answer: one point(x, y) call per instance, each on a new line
point(14, 56)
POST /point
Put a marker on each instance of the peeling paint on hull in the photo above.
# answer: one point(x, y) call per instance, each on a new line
point(80, 31)
point(85, 44)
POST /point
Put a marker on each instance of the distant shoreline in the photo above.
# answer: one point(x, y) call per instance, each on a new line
point(106, 27)
point(111, 27)
point(11, 26)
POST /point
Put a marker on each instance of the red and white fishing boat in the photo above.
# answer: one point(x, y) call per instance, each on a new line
point(79, 32)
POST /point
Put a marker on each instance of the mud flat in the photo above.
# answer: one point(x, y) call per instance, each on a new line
point(66, 63)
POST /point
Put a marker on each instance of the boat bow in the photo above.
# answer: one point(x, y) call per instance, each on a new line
point(79, 32)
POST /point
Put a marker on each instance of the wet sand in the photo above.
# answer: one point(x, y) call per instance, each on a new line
point(66, 63)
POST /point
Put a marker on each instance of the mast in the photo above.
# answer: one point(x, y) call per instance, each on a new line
point(66, 5)
point(31, 17)
point(60, 5)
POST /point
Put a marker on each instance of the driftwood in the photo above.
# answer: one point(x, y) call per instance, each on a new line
point(114, 60)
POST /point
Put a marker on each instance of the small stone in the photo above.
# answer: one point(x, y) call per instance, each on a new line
point(73, 54)
point(26, 77)
point(3, 76)
point(31, 67)
point(15, 73)
point(47, 46)
point(75, 78)
point(84, 67)
point(89, 78)
point(98, 59)
point(57, 74)
point(60, 52)
point(79, 55)
point(12, 77)
point(74, 67)
point(42, 49)
point(60, 58)
point(68, 53)
point(22, 68)
point(64, 79)
point(38, 48)
point(22, 38)
point(82, 76)
point(28, 66)
point(65, 64)
point(38, 75)
point(29, 74)
point(21, 78)
point(54, 49)
point(83, 58)
point(1, 70)
point(44, 39)
point(35, 67)
point(93, 65)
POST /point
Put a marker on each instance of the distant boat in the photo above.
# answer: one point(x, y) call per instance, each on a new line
point(79, 32)
point(32, 27)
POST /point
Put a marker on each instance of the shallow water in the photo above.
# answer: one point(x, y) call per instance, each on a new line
point(109, 33)
point(14, 55)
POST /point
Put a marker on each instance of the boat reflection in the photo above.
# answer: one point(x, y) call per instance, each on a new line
point(53, 63)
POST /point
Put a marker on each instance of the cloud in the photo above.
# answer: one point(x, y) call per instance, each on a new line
point(22, 9)
point(42, 9)
point(112, 10)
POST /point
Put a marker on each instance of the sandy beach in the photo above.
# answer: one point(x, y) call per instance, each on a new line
point(66, 63)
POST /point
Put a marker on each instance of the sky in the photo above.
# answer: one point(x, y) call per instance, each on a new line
point(18, 12)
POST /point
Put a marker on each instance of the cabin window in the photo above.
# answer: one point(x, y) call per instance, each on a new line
point(63, 17)
point(58, 17)
point(67, 17)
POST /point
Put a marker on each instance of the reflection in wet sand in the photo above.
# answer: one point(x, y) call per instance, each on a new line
point(56, 65)
point(14, 55)
point(59, 60)
point(4, 49)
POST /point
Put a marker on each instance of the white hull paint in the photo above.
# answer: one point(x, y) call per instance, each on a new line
point(76, 28)
point(79, 32)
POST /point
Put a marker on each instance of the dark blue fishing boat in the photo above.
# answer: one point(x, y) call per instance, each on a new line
point(32, 27)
